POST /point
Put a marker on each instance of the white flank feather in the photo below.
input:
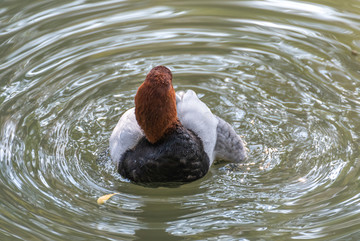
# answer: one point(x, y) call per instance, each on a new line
point(196, 116)
point(125, 135)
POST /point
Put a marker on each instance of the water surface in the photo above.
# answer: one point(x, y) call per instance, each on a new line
point(285, 74)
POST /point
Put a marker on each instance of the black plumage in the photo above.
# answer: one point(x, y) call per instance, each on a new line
point(178, 157)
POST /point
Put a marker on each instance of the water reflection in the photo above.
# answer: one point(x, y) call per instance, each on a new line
point(283, 73)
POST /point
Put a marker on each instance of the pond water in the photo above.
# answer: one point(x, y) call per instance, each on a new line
point(284, 73)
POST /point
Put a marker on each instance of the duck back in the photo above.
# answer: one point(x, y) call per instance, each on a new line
point(178, 157)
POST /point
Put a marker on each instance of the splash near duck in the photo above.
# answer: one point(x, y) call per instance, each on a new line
point(170, 137)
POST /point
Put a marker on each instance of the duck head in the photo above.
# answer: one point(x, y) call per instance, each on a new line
point(155, 104)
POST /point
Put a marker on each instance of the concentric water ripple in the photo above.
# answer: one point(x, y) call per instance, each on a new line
point(284, 73)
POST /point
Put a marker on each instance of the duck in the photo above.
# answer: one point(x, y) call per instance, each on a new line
point(170, 136)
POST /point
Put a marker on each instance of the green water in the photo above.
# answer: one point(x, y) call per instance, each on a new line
point(284, 73)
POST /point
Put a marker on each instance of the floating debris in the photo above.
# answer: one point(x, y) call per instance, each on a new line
point(354, 52)
point(101, 200)
point(302, 179)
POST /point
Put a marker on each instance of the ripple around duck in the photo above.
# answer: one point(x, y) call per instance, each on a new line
point(281, 74)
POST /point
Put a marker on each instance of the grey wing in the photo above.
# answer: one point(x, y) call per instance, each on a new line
point(229, 146)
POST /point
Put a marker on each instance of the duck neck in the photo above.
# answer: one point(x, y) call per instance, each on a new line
point(155, 105)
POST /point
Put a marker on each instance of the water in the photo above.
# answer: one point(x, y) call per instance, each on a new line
point(285, 74)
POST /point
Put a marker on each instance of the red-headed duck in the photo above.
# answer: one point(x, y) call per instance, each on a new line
point(170, 137)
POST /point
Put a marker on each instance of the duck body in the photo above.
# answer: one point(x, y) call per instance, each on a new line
point(170, 137)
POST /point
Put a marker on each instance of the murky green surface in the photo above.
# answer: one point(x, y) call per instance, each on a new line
point(285, 74)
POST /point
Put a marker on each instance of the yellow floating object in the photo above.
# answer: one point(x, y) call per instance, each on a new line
point(101, 200)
